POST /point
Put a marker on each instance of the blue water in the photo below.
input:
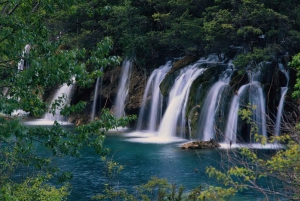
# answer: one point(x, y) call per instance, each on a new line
point(142, 161)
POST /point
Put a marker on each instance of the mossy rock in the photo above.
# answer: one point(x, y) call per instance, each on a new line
point(189, 59)
point(170, 77)
point(198, 91)
point(201, 145)
point(202, 84)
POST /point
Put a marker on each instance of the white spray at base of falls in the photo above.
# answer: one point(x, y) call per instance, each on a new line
point(178, 101)
point(210, 106)
point(256, 98)
point(63, 94)
point(122, 90)
point(155, 106)
point(282, 99)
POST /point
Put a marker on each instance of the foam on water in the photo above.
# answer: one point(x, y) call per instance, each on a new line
point(118, 129)
point(150, 137)
point(45, 122)
point(252, 146)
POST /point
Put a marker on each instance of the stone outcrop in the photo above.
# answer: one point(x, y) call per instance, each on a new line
point(136, 91)
point(201, 145)
point(169, 79)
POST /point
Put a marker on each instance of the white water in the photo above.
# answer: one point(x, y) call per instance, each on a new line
point(256, 98)
point(95, 98)
point(259, 113)
point(177, 102)
point(280, 110)
point(122, 89)
point(63, 93)
point(22, 61)
point(282, 99)
point(252, 146)
point(231, 127)
point(209, 110)
point(152, 92)
point(210, 106)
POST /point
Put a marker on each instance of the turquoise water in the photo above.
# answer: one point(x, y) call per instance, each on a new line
point(142, 161)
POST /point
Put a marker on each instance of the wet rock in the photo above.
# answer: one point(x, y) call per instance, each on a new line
point(136, 91)
point(169, 79)
point(201, 145)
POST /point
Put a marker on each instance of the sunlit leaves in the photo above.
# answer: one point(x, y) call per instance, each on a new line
point(295, 63)
point(33, 189)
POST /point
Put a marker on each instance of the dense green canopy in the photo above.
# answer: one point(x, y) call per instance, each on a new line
point(46, 43)
point(150, 30)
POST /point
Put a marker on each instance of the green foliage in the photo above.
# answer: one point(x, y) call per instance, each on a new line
point(247, 167)
point(49, 62)
point(295, 63)
point(251, 60)
point(33, 189)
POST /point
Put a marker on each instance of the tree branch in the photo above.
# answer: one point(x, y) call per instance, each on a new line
point(13, 10)
point(35, 7)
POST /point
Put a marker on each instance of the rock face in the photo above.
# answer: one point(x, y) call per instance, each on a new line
point(201, 145)
point(169, 79)
point(136, 91)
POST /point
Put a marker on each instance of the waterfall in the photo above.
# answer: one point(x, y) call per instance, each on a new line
point(21, 63)
point(212, 100)
point(97, 87)
point(98, 82)
point(280, 110)
point(179, 93)
point(63, 94)
point(231, 127)
point(152, 92)
point(282, 99)
point(123, 89)
point(256, 98)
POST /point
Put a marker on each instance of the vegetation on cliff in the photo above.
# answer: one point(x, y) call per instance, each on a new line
point(68, 39)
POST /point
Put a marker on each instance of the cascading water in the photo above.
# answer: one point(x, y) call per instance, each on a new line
point(256, 98)
point(178, 101)
point(95, 99)
point(21, 64)
point(63, 94)
point(123, 89)
point(152, 90)
point(282, 99)
point(212, 101)
point(98, 87)
point(231, 127)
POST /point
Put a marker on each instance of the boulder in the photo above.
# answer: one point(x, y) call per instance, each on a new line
point(201, 145)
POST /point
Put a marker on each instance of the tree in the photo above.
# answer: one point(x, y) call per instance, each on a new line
point(245, 168)
point(47, 62)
